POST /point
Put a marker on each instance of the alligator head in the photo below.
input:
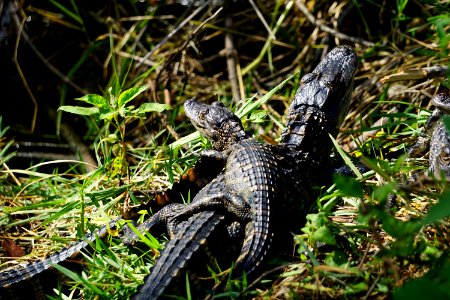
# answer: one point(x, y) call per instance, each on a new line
point(216, 122)
point(330, 85)
point(322, 101)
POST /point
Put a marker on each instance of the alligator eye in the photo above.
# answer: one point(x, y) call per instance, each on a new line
point(307, 78)
point(333, 82)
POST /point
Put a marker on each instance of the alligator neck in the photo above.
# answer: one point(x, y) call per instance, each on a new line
point(230, 134)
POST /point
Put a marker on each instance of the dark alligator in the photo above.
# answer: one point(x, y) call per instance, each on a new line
point(255, 173)
point(33, 280)
point(247, 189)
point(317, 111)
point(437, 139)
point(321, 104)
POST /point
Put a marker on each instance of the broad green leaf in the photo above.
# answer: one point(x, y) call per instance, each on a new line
point(95, 99)
point(108, 115)
point(258, 116)
point(130, 94)
point(440, 210)
point(323, 234)
point(348, 185)
point(150, 107)
point(85, 111)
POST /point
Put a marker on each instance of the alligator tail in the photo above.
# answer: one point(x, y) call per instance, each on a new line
point(13, 281)
point(177, 253)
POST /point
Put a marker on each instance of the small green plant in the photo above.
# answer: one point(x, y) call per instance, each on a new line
point(116, 112)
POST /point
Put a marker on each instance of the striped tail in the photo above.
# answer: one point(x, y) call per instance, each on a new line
point(177, 253)
point(26, 281)
point(255, 247)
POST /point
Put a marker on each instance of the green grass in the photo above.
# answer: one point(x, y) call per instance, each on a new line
point(373, 235)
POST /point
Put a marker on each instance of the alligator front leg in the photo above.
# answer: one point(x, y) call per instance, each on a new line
point(215, 196)
point(129, 237)
point(190, 232)
point(232, 203)
point(221, 156)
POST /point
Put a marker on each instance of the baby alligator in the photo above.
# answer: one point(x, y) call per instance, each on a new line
point(256, 173)
point(248, 184)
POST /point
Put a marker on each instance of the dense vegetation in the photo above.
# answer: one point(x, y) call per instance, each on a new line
point(119, 73)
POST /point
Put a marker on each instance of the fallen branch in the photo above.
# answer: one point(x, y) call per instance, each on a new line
point(420, 73)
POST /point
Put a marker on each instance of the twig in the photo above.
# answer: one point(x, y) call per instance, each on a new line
point(173, 32)
point(330, 30)
point(372, 286)
point(135, 57)
point(230, 53)
point(19, 69)
point(11, 174)
point(51, 67)
point(263, 21)
point(169, 128)
point(261, 277)
point(420, 73)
